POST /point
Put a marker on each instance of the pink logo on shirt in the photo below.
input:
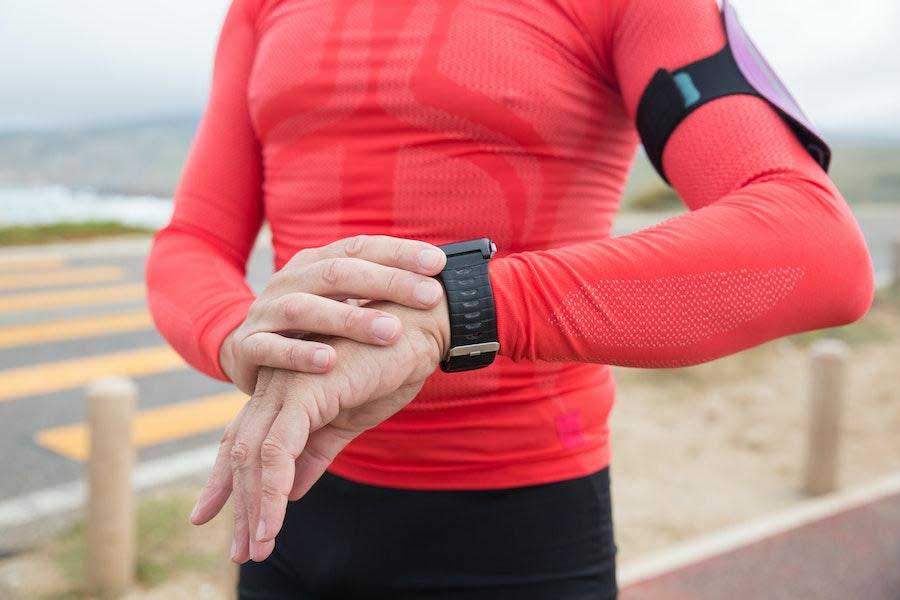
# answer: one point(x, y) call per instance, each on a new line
point(569, 429)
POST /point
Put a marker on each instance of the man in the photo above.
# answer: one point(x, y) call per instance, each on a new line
point(366, 132)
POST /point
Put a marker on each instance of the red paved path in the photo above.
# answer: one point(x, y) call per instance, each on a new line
point(853, 555)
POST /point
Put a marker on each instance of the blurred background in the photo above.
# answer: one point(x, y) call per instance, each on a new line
point(99, 102)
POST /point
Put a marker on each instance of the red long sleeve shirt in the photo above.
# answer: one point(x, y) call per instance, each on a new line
point(443, 120)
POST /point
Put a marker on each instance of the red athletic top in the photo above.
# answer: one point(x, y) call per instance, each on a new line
point(444, 120)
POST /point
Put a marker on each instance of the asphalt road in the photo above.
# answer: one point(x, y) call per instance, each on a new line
point(69, 313)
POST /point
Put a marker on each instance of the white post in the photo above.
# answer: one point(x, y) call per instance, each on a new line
point(111, 543)
point(828, 367)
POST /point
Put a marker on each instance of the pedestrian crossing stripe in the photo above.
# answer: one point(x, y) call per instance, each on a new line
point(34, 301)
point(72, 329)
point(60, 277)
point(26, 262)
point(152, 426)
point(44, 378)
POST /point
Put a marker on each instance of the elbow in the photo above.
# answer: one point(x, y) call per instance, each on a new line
point(856, 298)
point(847, 285)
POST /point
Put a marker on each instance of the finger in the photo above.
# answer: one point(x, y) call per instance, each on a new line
point(282, 446)
point(409, 255)
point(314, 314)
point(265, 349)
point(240, 544)
point(245, 453)
point(218, 487)
point(343, 278)
point(263, 550)
point(321, 449)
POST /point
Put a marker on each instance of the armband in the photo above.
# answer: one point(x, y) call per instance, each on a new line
point(738, 68)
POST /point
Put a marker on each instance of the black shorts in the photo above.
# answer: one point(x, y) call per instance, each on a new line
point(345, 540)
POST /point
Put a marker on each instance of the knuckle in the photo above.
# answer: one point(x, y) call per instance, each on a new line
point(353, 318)
point(240, 456)
point(394, 282)
point(291, 307)
point(398, 252)
point(278, 279)
point(272, 452)
point(293, 356)
point(228, 436)
point(356, 245)
point(332, 271)
point(254, 348)
point(299, 256)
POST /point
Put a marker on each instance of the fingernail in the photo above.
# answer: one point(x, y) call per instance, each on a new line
point(427, 292)
point(430, 259)
point(385, 328)
point(195, 511)
point(261, 530)
point(320, 358)
point(234, 550)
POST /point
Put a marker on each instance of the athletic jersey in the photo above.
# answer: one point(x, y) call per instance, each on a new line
point(444, 120)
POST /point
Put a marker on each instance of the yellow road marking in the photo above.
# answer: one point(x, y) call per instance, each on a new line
point(153, 426)
point(72, 329)
point(55, 376)
point(73, 297)
point(28, 262)
point(38, 278)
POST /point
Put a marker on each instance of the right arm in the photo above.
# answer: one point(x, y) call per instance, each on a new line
point(195, 273)
point(198, 294)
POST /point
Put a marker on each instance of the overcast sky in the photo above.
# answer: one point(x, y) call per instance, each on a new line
point(73, 62)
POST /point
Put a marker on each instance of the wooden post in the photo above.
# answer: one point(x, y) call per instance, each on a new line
point(828, 366)
point(895, 263)
point(111, 543)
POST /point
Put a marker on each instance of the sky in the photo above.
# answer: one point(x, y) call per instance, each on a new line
point(67, 64)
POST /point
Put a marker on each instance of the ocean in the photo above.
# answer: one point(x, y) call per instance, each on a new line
point(53, 204)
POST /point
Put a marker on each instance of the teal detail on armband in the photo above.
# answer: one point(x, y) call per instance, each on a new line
point(688, 90)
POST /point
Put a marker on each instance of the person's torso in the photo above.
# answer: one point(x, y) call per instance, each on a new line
point(444, 120)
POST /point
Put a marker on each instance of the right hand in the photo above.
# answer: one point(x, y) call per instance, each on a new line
point(308, 297)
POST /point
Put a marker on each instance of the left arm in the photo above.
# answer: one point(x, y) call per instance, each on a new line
point(770, 247)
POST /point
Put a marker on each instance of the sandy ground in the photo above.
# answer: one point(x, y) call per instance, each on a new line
point(702, 448)
point(694, 450)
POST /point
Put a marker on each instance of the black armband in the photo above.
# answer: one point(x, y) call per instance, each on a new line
point(737, 69)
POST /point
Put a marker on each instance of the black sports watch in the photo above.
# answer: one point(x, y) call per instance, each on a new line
point(473, 320)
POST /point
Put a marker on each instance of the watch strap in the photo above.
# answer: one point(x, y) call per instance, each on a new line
point(473, 319)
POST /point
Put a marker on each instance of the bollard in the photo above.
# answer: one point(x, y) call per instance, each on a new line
point(828, 366)
point(111, 543)
point(895, 263)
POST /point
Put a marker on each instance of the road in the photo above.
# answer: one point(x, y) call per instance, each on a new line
point(69, 313)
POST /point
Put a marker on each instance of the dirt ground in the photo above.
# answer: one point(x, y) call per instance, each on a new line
point(695, 450)
point(699, 449)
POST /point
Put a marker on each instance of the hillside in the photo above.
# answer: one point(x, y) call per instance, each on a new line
point(146, 158)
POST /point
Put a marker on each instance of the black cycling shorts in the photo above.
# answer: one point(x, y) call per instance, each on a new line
point(346, 540)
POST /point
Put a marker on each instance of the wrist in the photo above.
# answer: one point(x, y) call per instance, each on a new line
point(440, 328)
point(226, 355)
point(433, 324)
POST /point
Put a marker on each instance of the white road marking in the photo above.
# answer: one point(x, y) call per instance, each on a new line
point(48, 502)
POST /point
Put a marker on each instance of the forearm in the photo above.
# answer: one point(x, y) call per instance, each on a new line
point(778, 256)
point(197, 296)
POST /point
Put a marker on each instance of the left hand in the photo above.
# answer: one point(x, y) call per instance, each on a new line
point(295, 424)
